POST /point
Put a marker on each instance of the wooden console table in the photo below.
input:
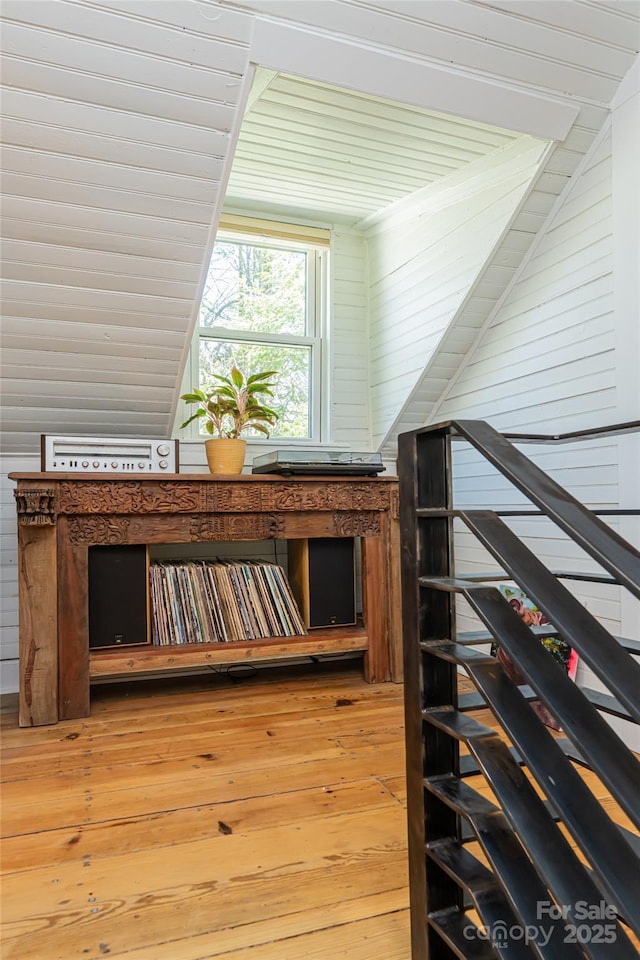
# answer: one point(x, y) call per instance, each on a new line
point(61, 515)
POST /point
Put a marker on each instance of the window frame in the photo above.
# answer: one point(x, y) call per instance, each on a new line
point(317, 322)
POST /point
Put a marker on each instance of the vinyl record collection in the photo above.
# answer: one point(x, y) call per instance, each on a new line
point(204, 601)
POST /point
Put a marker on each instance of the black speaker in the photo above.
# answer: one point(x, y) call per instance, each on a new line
point(118, 596)
point(322, 573)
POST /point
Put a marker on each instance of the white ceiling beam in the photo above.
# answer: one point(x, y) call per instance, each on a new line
point(282, 47)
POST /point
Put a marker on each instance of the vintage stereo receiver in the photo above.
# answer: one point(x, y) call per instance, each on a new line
point(108, 455)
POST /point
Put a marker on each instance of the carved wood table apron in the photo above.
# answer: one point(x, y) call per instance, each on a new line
point(61, 515)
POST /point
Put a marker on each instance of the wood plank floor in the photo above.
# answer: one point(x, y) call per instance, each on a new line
point(257, 817)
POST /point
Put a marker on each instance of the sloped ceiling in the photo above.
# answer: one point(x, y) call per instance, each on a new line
point(119, 125)
point(320, 151)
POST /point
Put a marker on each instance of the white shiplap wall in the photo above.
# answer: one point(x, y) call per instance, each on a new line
point(546, 364)
point(349, 331)
point(425, 255)
point(555, 331)
point(9, 573)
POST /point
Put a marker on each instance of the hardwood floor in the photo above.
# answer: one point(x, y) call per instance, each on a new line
point(257, 816)
point(244, 816)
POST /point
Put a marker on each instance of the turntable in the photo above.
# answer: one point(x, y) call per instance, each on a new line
point(330, 463)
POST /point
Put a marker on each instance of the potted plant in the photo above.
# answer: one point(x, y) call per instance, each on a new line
point(231, 405)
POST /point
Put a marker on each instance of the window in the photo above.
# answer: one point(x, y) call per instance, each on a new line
point(263, 308)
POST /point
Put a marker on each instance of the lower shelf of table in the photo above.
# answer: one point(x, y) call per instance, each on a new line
point(146, 659)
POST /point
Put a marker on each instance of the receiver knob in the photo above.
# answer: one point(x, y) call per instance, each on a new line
point(85, 464)
point(96, 464)
point(114, 464)
point(164, 450)
point(141, 464)
point(163, 464)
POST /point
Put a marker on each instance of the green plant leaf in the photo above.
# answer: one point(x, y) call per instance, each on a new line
point(259, 388)
point(196, 397)
point(198, 413)
point(227, 392)
point(225, 380)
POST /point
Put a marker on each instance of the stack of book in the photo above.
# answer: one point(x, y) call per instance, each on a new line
point(204, 601)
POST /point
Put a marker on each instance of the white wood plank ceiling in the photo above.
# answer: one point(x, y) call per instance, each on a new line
point(318, 150)
point(118, 129)
point(117, 120)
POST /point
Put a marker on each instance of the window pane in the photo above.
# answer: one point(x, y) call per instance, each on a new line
point(249, 287)
point(293, 382)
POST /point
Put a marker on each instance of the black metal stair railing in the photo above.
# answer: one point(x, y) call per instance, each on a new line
point(557, 877)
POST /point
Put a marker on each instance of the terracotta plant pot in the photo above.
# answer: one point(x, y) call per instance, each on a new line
point(225, 456)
